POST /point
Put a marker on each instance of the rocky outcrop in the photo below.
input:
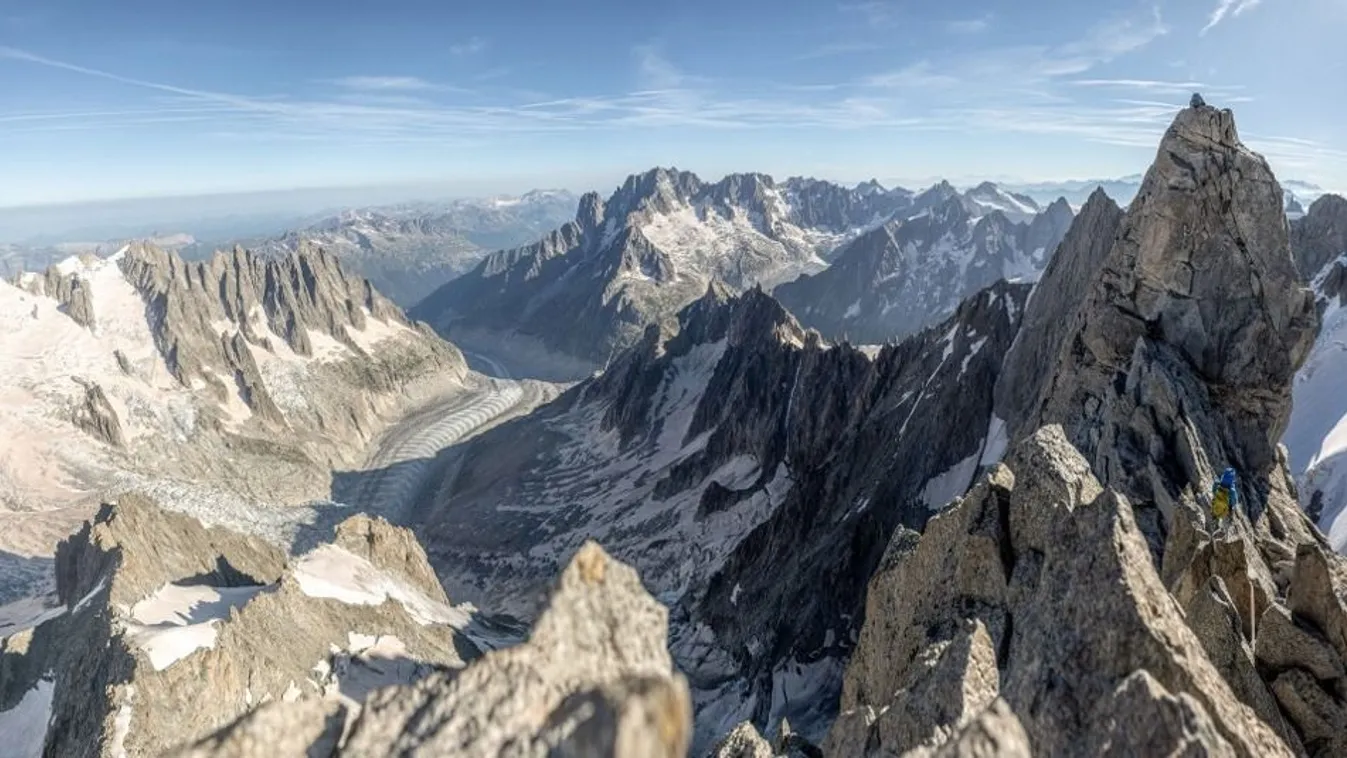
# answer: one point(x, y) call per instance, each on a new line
point(1320, 237)
point(740, 457)
point(1180, 358)
point(1064, 285)
point(160, 612)
point(744, 741)
point(304, 346)
point(96, 416)
point(912, 272)
point(1119, 623)
point(1080, 637)
point(292, 298)
point(594, 679)
point(589, 289)
point(63, 284)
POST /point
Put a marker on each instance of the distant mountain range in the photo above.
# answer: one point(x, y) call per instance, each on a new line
point(592, 287)
point(408, 250)
point(867, 261)
point(911, 272)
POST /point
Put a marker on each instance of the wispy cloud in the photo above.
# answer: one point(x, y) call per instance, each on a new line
point(921, 74)
point(472, 46)
point(1048, 94)
point(971, 25)
point(1152, 85)
point(999, 70)
point(384, 83)
point(834, 49)
point(1228, 9)
point(877, 13)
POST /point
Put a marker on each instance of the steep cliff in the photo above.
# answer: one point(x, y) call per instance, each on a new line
point(1081, 584)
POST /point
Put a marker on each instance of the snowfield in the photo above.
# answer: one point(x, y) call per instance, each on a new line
point(1317, 436)
point(23, 728)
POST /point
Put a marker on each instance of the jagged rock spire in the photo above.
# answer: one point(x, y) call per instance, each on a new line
point(1201, 280)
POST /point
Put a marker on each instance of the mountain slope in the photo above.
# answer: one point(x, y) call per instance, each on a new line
point(241, 378)
point(740, 458)
point(1079, 596)
point(589, 289)
point(1316, 439)
point(909, 273)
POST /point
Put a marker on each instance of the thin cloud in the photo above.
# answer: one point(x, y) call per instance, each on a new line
point(1153, 85)
point(919, 75)
point(971, 25)
point(1228, 9)
point(964, 96)
point(384, 83)
point(472, 46)
point(835, 49)
point(877, 13)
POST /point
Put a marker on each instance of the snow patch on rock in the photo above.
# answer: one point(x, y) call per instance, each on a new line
point(177, 620)
point(951, 484)
point(332, 572)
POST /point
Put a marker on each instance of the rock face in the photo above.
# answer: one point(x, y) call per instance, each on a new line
point(594, 679)
point(1115, 622)
point(160, 611)
point(740, 465)
point(912, 272)
point(1315, 443)
point(589, 289)
point(1039, 589)
point(97, 417)
point(1065, 283)
point(1198, 307)
point(1320, 238)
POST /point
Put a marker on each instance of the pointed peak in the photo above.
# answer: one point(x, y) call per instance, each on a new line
point(1098, 196)
point(589, 211)
point(717, 292)
point(1203, 127)
point(1059, 205)
point(871, 187)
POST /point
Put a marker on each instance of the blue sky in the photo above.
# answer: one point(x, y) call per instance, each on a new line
point(156, 97)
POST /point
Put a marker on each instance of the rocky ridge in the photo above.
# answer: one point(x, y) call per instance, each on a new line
point(912, 272)
point(351, 649)
point(740, 457)
point(1079, 585)
point(239, 379)
point(651, 248)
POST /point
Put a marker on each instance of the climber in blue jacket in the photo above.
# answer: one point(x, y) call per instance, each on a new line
point(1224, 498)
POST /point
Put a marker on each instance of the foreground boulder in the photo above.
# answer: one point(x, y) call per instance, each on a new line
point(1038, 589)
point(177, 637)
point(594, 679)
point(169, 630)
